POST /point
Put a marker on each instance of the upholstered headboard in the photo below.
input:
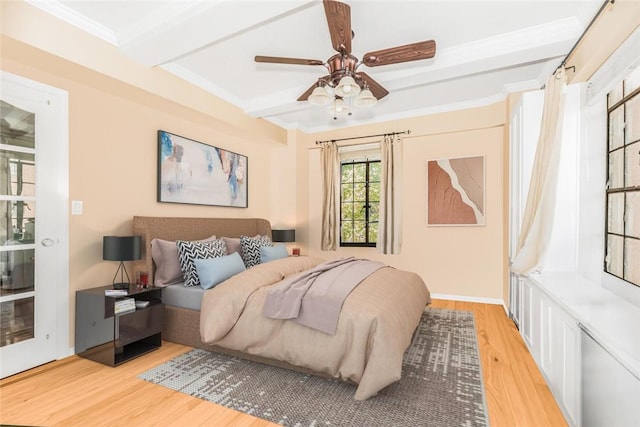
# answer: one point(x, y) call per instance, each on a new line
point(175, 228)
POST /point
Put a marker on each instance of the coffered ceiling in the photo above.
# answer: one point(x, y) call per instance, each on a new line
point(485, 49)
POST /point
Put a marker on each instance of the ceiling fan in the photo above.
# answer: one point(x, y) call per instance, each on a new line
point(343, 76)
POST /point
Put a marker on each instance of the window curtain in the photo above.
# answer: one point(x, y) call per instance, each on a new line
point(537, 222)
point(390, 218)
point(330, 195)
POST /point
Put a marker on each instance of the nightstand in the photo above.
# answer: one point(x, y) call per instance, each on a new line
point(111, 338)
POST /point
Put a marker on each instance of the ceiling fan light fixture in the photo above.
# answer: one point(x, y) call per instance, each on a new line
point(347, 87)
point(339, 107)
point(365, 99)
point(319, 96)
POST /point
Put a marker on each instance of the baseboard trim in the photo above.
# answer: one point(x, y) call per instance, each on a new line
point(482, 300)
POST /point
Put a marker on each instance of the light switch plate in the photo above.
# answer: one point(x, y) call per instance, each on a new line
point(76, 207)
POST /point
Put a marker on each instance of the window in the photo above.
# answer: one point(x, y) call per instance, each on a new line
point(622, 240)
point(359, 202)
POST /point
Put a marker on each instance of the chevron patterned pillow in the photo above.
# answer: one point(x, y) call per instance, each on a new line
point(250, 249)
point(189, 251)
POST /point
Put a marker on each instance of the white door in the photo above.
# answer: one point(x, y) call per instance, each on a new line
point(33, 223)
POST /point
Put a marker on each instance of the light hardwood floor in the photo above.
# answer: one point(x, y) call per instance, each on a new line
point(76, 391)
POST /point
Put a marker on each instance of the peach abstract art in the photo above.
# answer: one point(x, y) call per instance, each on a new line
point(455, 191)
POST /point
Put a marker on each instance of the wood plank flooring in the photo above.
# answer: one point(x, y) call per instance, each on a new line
point(76, 391)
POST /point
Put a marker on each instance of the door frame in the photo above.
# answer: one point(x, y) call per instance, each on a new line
point(59, 123)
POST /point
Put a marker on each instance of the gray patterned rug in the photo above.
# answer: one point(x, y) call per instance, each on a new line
point(441, 383)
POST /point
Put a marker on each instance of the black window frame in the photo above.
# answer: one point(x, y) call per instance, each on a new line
point(625, 189)
point(367, 202)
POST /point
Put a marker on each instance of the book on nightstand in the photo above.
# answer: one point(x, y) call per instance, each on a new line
point(124, 305)
point(142, 304)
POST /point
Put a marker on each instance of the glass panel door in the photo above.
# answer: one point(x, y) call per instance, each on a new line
point(17, 224)
point(34, 303)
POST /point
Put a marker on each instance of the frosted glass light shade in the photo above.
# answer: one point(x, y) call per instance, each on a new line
point(339, 107)
point(319, 96)
point(347, 87)
point(365, 99)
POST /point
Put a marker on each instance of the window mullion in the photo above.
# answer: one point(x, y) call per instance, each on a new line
point(366, 204)
point(619, 250)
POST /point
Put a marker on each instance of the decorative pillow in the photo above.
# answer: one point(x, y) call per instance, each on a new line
point(216, 270)
point(165, 257)
point(190, 251)
point(272, 253)
point(250, 249)
point(233, 244)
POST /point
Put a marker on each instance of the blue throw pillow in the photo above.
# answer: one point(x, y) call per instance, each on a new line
point(190, 251)
point(216, 270)
point(271, 253)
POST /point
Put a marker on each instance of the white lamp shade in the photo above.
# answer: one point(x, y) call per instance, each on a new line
point(365, 99)
point(319, 96)
point(347, 87)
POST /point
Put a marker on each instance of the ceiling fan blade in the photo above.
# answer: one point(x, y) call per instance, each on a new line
point(396, 55)
point(280, 60)
point(305, 95)
point(339, 20)
point(376, 89)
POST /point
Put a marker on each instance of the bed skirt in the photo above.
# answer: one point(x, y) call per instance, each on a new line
point(182, 326)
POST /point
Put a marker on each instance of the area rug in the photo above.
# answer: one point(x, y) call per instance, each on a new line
point(441, 383)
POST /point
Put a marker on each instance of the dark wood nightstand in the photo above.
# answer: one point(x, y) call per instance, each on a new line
point(111, 338)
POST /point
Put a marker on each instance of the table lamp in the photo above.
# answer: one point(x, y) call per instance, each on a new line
point(121, 248)
point(285, 236)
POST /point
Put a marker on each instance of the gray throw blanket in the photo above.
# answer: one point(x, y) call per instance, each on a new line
point(314, 297)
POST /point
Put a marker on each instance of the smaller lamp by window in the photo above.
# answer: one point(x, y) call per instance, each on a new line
point(285, 236)
point(121, 248)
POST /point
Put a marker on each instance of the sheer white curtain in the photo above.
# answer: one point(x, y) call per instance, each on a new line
point(537, 221)
point(390, 219)
point(330, 195)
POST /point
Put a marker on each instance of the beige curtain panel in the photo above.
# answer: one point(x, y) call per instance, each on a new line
point(330, 195)
point(390, 219)
point(537, 221)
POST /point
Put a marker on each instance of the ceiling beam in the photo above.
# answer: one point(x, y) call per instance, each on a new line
point(71, 45)
point(510, 50)
point(182, 28)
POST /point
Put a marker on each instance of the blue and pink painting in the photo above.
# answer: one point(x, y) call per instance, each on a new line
point(196, 173)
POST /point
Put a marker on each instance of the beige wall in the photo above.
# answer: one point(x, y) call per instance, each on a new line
point(113, 155)
point(459, 261)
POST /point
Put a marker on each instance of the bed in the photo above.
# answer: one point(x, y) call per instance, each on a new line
point(375, 326)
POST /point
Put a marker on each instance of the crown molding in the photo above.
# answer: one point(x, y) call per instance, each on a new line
point(76, 19)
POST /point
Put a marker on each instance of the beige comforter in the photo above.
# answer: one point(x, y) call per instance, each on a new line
point(375, 326)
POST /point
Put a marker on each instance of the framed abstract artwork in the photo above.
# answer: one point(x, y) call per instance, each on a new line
point(196, 173)
point(455, 191)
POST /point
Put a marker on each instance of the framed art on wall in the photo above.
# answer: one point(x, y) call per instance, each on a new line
point(196, 173)
point(455, 191)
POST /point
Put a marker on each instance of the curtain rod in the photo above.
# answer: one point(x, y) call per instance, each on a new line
point(573, 48)
point(365, 136)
